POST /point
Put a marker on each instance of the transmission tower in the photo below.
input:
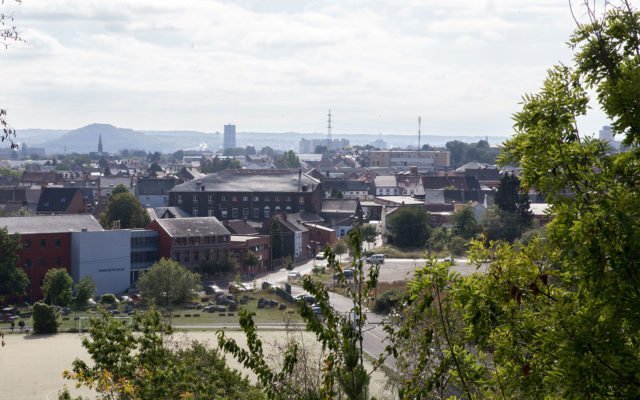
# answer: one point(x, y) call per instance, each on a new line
point(329, 136)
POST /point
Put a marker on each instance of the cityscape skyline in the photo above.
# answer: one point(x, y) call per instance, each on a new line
point(154, 65)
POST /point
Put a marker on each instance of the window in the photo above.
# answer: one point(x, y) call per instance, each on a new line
point(179, 198)
point(43, 262)
point(26, 244)
point(245, 198)
point(223, 213)
point(234, 212)
point(234, 198)
point(267, 212)
point(223, 198)
point(288, 209)
point(195, 212)
point(245, 212)
point(177, 256)
point(196, 255)
point(27, 263)
point(267, 198)
point(301, 200)
point(58, 243)
point(210, 199)
point(277, 198)
point(256, 212)
point(195, 198)
point(186, 257)
point(288, 198)
point(256, 198)
point(210, 212)
point(43, 243)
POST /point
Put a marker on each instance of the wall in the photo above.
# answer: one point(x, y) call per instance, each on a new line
point(103, 256)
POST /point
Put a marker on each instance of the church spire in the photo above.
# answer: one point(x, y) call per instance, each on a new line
point(100, 144)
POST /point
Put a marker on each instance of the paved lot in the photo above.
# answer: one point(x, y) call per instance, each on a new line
point(32, 366)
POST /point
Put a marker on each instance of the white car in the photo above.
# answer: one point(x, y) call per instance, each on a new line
point(293, 275)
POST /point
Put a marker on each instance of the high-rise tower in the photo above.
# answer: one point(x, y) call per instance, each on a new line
point(100, 144)
point(229, 140)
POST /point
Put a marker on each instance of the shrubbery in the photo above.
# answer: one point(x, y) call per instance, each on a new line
point(386, 301)
point(45, 318)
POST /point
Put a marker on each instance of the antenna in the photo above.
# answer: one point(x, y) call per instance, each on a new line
point(419, 126)
point(329, 127)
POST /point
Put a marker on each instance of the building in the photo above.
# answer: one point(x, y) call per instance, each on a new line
point(145, 251)
point(109, 266)
point(154, 192)
point(241, 245)
point(192, 241)
point(294, 237)
point(429, 160)
point(46, 244)
point(342, 214)
point(249, 194)
point(59, 200)
point(229, 140)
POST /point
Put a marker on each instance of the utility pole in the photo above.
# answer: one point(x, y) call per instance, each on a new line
point(419, 126)
point(329, 136)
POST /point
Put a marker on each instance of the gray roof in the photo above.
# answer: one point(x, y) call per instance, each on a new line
point(246, 180)
point(200, 226)
point(51, 224)
point(339, 205)
point(385, 181)
point(154, 186)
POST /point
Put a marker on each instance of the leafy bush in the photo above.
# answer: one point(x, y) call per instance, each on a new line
point(108, 298)
point(386, 301)
point(45, 318)
point(457, 245)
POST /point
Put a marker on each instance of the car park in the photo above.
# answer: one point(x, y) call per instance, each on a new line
point(306, 297)
point(235, 287)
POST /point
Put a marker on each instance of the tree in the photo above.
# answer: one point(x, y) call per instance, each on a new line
point(409, 227)
point(178, 155)
point(289, 159)
point(321, 150)
point(369, 233)
point(267, 150)
point(13, 280)
point(511, 216)
point(215, 267)
point(216, 165)
point(557, 316)
point(124, 207)
point(155, 157)
point(149, 365)
point(277, 242)
point(168, 283)
point(57, 287)
point(45, 319)
point(154, 168)
point(251, 261)
point(249, 151)
point(465, 224)
point(340, 247)
point(84, 290)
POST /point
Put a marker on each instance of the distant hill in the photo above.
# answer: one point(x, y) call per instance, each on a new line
point(114, 139)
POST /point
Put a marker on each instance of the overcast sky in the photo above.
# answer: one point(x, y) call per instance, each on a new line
point(279, 65)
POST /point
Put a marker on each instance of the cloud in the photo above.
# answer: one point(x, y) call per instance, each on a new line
point(192, 64)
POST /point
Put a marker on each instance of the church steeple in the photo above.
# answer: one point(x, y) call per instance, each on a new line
point(100, 144)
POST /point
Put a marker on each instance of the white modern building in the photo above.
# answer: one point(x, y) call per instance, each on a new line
point(103, 256)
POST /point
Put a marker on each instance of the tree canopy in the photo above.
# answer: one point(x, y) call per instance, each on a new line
point(123, 206)
point(167, 282)
point(57, 287)
point(13, 280)
point(409, 227)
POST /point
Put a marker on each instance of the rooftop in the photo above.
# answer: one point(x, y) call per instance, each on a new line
point(197, 227)
point(247, 180)
point(51, 224)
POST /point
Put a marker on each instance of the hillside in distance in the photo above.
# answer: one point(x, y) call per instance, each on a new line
point(114, 139)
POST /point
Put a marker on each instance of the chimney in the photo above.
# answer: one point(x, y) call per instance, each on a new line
point(414, 171)
point(299, 178)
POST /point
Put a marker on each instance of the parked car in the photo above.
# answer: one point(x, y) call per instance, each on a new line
point(320, 256)
point(213, 290)
point(306, 297)
point(449, 259)
point(236, 288)
point(293, 275)
point(375, 259)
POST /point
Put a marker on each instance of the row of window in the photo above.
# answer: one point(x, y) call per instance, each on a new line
point(195, 256)
point(235, 212)
point(197, 240)
point(244, 198)
point(26, 244)
point(42, 261)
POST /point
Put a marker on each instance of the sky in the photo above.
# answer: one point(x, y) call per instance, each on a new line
point(279, 66)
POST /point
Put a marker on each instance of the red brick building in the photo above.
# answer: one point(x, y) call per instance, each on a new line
point(46, 244)
point(241, 245)
point(192, 241)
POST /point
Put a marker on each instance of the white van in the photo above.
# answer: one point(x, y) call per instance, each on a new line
point(375, 259)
